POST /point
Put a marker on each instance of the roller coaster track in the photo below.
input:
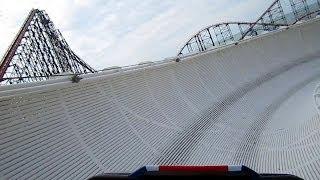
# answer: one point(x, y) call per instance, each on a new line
point(255, 103)
point(38, 52)
point(273, 18)
point(251, 104)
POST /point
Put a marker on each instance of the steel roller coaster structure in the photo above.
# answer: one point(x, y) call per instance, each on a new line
point(39, 50)
point(281, 13)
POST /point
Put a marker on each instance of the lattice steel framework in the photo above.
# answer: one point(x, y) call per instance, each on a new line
point(38, 52)
point(222, 34)
point(280, 13)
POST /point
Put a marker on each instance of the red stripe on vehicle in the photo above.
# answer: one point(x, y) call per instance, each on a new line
point(194, 168)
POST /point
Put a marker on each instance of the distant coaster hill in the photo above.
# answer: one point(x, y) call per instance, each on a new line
point(39, 51)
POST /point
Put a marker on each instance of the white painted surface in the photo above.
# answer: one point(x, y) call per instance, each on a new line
point(152, 168)
point(249, 104)
point(233, 168)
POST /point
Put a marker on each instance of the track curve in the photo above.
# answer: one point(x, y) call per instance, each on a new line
point(250, 104)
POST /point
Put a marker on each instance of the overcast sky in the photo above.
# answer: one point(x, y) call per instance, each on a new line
point(123, 32)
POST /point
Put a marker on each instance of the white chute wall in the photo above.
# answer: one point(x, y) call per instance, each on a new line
point(174, 113)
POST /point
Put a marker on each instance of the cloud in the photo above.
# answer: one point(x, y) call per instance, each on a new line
point(107, 33)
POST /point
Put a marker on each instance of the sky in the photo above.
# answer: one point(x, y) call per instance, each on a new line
point(108, 33)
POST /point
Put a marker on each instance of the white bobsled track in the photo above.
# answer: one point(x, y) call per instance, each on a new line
point(247, 104)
